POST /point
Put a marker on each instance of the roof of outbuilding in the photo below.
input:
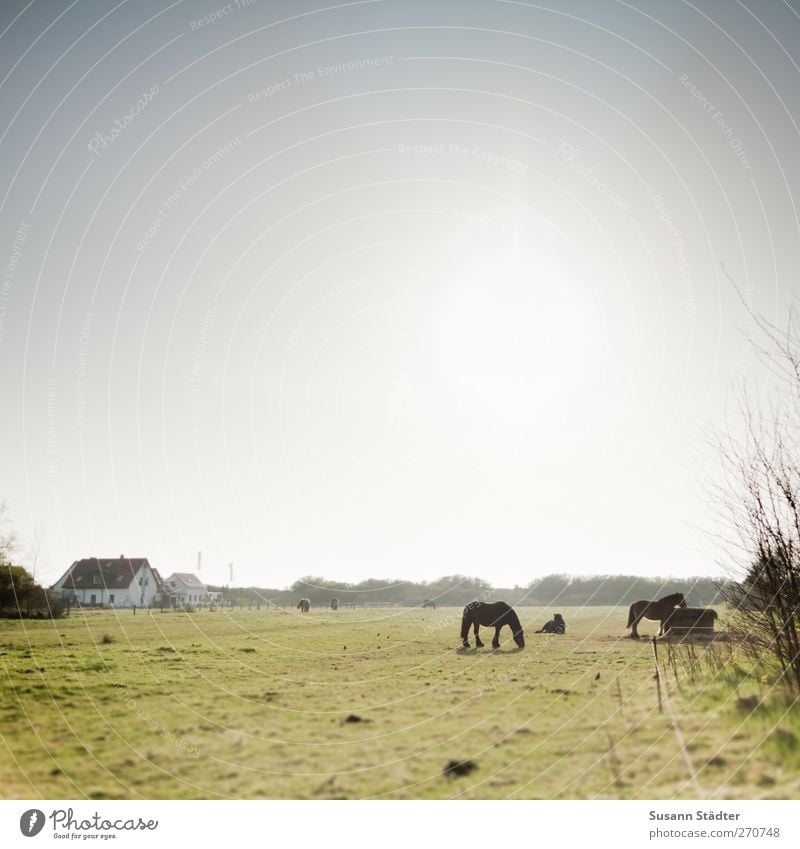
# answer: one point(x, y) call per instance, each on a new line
point(188, 579)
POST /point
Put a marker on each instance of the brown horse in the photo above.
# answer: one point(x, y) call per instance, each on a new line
point(656, 610)
point(304, 605)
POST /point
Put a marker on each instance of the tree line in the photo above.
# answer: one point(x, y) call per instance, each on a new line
point(458, 590)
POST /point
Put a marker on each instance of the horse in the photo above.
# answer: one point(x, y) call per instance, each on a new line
point(494, 614)
point(656, 610)
point(334, 604)
point(304, 605)
point(428, 603)
point(556, 625)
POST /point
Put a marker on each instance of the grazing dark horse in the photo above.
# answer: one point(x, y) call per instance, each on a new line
point(428, 603)
point(494, 614)
point(656, 610)
point(334, 604)
point(304, 605)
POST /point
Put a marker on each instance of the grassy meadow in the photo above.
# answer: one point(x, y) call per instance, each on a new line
point(375, 703)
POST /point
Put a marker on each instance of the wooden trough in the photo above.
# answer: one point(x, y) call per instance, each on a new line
point(690, 622)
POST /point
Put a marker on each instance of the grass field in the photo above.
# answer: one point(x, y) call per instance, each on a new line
point(255, 704)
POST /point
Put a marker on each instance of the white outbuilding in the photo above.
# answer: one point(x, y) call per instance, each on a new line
point(186, 589)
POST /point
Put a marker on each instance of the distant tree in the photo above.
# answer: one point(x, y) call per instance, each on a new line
point(35, 549)
point(8, 536)
point(17, 587)
point(306, 582)
point(550, 589)
point(19, 592)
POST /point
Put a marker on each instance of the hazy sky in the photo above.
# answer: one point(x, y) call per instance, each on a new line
point(392, 288)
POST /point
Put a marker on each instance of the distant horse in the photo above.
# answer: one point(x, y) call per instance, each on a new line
point(494, 614)
point(334, 604)
point(656, 610)
point(304, 605)
point(428, 603)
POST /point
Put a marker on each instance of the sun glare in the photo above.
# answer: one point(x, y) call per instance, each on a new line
point(519, 333)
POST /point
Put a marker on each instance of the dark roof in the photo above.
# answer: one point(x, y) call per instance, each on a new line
point(114, 574)
point(189, 580)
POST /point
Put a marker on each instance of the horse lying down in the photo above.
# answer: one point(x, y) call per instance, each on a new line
point(556, 625)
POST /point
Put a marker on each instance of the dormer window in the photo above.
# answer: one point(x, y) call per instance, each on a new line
point(96, 580)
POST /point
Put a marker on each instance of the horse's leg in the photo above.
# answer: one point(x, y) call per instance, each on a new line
point(465, 623)
point(634, 632)
point(496, 640)
point(478, 642)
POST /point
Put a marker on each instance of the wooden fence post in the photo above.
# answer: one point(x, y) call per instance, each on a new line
point(657, 676)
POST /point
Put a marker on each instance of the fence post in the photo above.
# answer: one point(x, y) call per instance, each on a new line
point(657, 676)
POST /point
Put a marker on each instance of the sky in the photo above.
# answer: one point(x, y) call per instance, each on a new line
point(389, 288)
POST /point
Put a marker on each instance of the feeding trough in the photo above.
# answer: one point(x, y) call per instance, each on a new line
point(690, 622)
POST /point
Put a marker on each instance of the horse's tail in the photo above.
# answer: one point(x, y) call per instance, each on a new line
point(631, 617)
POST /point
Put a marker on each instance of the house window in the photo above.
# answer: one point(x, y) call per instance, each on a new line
point(92, 599)
point(111, 598)
point(96, 580)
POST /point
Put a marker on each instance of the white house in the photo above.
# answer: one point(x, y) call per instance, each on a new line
point(186, 589)
point(98, 581)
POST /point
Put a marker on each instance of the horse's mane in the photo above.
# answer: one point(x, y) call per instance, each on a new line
point(672, 596)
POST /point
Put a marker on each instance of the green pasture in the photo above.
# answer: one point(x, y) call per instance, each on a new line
point(375, 703)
